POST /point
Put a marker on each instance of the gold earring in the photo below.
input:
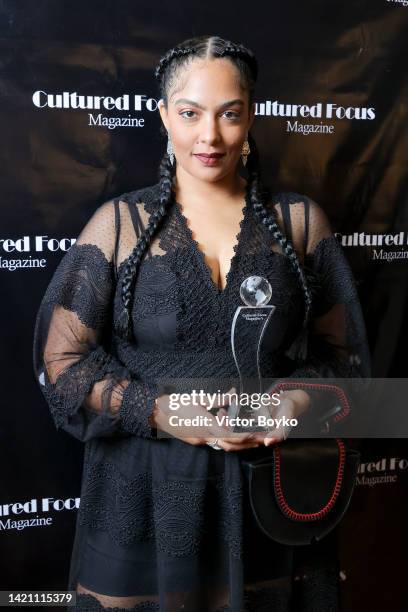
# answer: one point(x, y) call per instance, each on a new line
point(245, 152)
point(170, 151)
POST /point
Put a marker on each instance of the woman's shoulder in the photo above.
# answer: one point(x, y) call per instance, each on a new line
point(117, 208)
point(296, 204)
point(290, 208)
point(289, 197)
point(147, 194)
point(301, 218)
point(140, 195)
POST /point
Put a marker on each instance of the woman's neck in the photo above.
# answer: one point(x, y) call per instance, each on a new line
point(191, 191)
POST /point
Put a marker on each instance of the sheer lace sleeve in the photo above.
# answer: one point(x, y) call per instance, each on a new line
point(89, 392)
point(336, 341)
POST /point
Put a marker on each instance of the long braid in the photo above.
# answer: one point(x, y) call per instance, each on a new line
point(166, 173)
point(257, 194)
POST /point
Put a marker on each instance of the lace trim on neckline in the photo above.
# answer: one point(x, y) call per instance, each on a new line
point(239, 240)
point(207, 272)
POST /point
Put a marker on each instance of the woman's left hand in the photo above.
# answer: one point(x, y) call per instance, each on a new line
point(292, 405)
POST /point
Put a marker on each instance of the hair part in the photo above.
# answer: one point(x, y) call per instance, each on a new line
point(168, 73)
point(175, 60)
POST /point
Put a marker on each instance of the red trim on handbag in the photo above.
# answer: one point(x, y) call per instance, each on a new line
point(319, 386)
point(307, 516)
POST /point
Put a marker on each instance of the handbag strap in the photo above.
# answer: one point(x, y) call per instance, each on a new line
point(290, 385)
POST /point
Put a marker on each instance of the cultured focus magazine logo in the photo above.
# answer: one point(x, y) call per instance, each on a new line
point(383, 247)
point(138, 103)
point(296, 114)
point(383, 471)
point(26, 244)
point(21, 515)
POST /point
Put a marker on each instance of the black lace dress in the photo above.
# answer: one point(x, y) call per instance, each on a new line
point(162, 524)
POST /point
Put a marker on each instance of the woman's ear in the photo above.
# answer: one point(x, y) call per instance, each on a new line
point(163, 113)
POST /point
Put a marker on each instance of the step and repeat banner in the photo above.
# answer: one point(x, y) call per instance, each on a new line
point(80, 124)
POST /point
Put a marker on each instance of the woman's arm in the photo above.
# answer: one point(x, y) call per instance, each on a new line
point(89, 392)
point(336, 339)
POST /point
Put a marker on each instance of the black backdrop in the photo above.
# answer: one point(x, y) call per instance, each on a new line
point(344, 62)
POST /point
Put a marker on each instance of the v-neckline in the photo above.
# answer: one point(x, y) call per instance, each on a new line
point(201, 256)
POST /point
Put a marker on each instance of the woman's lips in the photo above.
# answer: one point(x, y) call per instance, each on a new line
point(209, 160)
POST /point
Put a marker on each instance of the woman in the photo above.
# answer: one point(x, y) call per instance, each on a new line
point(142, 305)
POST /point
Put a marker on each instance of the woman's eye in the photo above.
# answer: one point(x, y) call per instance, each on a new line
point(232, 115)
point(183, 114)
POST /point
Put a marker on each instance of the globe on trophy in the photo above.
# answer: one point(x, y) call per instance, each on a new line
point(255, 291)
point(247, 331)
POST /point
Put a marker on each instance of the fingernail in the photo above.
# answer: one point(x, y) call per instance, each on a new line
point(269, 441)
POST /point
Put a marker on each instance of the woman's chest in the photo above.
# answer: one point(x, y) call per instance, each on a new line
point(176, 304)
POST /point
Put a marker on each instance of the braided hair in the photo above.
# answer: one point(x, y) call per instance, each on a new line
point(166, 173)
point(258, 194)
point(167, 72)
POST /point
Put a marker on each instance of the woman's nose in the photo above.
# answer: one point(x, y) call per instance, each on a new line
point(210, 133)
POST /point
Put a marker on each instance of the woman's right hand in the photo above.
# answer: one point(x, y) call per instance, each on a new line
point(209, 431)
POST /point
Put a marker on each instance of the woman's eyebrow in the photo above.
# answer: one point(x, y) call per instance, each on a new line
point(223, 105)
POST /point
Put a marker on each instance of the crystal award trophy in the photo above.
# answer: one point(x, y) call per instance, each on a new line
point(247, 330)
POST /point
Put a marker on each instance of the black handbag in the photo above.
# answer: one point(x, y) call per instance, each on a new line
point(300, 491)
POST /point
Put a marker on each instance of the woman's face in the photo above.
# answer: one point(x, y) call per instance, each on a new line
point(208, 113)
